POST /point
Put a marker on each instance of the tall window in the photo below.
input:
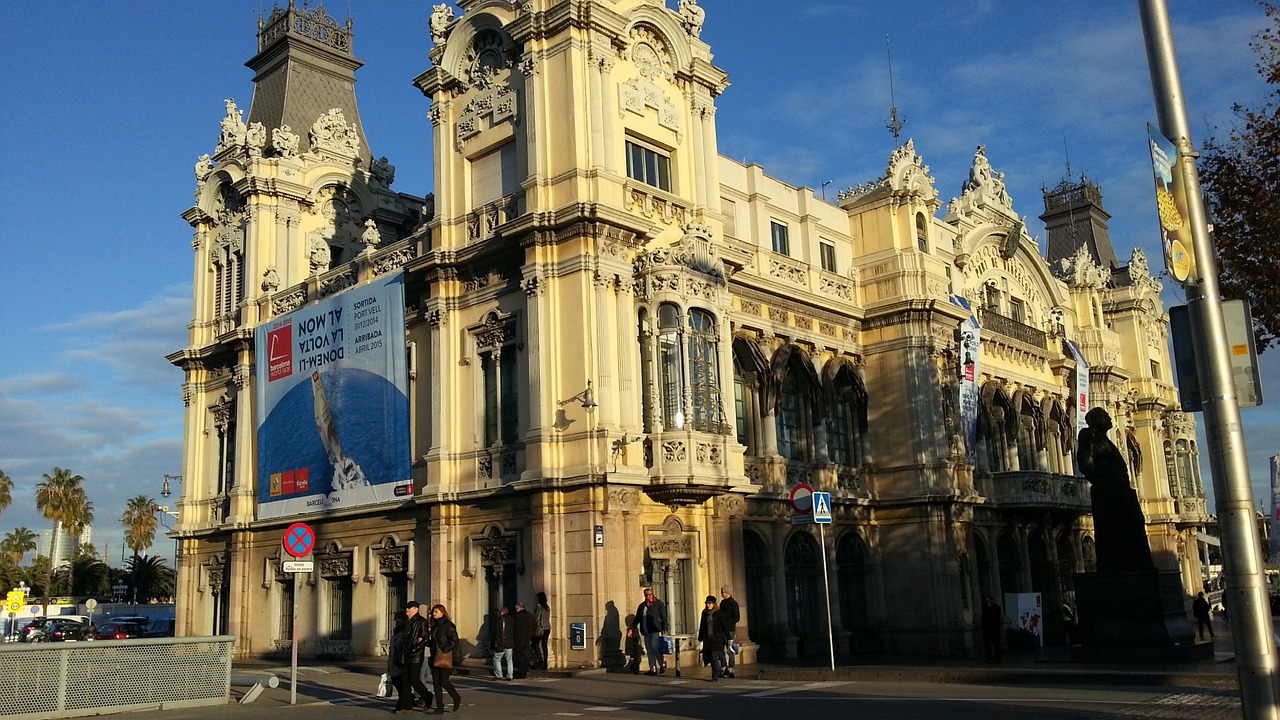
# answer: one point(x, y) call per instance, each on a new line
point(1018, 310)
point(781, 243)
point(284, 624)
point(729, 211)
point(649, 165)
point(804, 608)
point(740, 410)
point(791, 435)
point(922, 233)
point(838, 439)
point(670, 366)
point(827, 253)
point(338, 624)
point(493, 175)
point(228, 263)
point(501, 396)
point(704, 371)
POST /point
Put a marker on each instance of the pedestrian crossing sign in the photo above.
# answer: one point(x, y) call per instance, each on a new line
point(822, 507)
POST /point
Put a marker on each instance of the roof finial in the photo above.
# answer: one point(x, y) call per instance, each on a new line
point(896, 120)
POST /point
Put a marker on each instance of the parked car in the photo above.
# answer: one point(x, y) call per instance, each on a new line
point(120, 630)
point(58, 630)
point(160, 627)
point(35, 626)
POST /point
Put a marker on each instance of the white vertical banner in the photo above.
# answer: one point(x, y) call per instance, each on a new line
point(970, 347)
point(1082, 390)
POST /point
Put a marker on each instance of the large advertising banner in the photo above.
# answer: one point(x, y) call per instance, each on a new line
point(333, 403)
point(970, 345)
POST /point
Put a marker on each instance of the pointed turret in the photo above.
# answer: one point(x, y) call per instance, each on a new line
point(303, 69)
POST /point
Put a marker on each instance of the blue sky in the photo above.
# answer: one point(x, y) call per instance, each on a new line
point(108, 105)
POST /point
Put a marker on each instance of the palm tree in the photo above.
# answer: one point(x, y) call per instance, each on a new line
point(6, 491)
point(62, 501)
point(152, 579)
point(139, 520)
point(84, 575)
point(18, 543)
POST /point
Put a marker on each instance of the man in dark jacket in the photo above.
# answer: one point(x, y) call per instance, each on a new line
point(413, 650)
point(992, 625)
point(650, 623)
point(732, 616)
point(504, 639)
point(523, 637)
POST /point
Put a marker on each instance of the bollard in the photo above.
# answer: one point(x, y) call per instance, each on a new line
point(255, 683)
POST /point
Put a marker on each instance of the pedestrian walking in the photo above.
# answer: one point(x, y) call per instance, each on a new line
point(733, 616)
point(416, 640)
point(444, 639)
point(541, 631)
point(650, 623)
point(524, 625)
point(504, 639)
point(1204, 619)
point(713, 633)
point(992, 625)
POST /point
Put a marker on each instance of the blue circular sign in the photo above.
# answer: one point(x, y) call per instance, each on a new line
point(299, 540)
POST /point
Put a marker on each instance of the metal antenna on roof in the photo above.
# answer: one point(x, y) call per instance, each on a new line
point(896, 120)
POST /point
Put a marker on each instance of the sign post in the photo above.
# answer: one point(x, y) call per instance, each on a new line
point(299, 541)
point(822, 516)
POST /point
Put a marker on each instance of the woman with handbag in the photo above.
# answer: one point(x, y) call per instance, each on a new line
point(444, 639)
point(713, 631)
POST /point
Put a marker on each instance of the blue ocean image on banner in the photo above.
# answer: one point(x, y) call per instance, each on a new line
point(334, 409)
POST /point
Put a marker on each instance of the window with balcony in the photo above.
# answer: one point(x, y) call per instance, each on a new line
point(649, 165)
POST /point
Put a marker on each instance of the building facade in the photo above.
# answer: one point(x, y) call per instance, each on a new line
point(623, 351)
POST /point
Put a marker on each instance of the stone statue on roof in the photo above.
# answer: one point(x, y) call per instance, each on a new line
point(692, 17)
point(441, 16)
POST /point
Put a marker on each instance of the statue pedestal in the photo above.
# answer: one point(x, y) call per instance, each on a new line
point(1134, 617)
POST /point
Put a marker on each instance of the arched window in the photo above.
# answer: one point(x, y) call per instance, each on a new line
point(1171, 469)
point(983, 558)
point(670, 366)
point(1185, 471)
point(1088, 554)
point(922, 233)
point(745, 395)
point(848, 424)
point(804, 607)
point(792, 435)
point(1066, 566)
point(852, 571)
point(704, 371)
point(1195, 485)
point(1041, 568)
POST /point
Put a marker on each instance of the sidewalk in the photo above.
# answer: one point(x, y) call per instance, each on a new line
point(1046, 666)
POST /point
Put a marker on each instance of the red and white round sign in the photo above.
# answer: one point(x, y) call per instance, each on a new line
point(802, 498)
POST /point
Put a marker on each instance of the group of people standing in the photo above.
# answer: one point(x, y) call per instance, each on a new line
point(716, 633)
point(415, 639)
point(516, 634)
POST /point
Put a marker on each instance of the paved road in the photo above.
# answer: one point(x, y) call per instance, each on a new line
point(330, 693)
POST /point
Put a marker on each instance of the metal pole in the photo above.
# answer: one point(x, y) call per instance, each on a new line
point(826, 592)
point(293, 667)
point(1245, 595)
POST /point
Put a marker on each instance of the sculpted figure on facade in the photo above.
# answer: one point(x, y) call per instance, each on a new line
point(255, 138)
point(233, 129)
point(270, 279)
point(370, 237)
point(692, 17)
point(318, 253)
point(441, 16)
point(985, 182)
point(204, 168)
point(382, 172)
point(285, 141)
point(331, 132)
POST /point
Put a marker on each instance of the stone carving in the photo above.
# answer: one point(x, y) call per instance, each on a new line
point(1080, 270)
point(692, 17)
point(984, 187)
point(623, 499)
point(370, 237)
point(332, 133)
point(270, 279)
point(731, 505)
point(204, 168)
point(285, 141)
point(441, 16)
point(233, 128)
point(1119, 528)
point(318, 253)
point(382, 173)
point(641, 93)
point(255, 138)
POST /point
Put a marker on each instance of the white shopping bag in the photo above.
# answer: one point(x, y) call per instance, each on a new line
point(384, 689)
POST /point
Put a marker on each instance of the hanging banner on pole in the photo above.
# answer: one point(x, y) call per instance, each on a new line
point(1171, 203)
point(968, 352)
point(1082, 389)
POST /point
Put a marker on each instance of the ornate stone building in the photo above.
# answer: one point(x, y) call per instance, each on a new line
point(623, 350)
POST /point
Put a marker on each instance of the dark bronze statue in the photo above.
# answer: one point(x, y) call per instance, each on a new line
point(1120, 533)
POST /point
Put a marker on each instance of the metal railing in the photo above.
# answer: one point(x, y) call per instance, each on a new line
point(1007, 326)
point(72, 679)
